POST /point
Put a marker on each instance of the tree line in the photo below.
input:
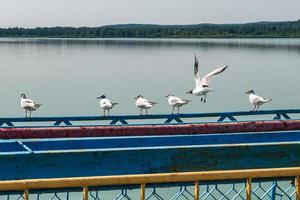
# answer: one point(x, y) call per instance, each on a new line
point(290, 29)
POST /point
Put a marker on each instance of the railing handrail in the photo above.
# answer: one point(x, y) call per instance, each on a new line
point(224, 175)
point(149, 116)
point(169, 117)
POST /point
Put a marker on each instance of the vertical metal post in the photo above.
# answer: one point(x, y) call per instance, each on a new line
point(248, 188)
point(297, 188)
point(26, 194)
point(85, 193)
point(273, 195)
point(143, 186)
point(196, 190)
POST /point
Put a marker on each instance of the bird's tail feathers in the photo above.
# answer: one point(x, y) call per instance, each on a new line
point(186, 101)
point(37, 105)
point(153, 103)
point(114, 104)
point(267, 100)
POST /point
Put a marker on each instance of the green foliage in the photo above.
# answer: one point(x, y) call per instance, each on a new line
point(257, 30)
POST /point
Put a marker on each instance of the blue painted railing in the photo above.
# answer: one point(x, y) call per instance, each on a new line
point(168, 118)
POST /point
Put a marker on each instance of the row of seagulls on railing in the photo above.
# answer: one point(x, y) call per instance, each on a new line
point(202, 88)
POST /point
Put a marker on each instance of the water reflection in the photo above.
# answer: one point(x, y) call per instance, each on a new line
point(267, 44)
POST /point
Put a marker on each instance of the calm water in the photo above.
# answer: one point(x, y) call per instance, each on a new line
point(66, 75)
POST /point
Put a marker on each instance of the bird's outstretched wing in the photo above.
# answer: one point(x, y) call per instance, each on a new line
point(196, 72)
point(205, 81)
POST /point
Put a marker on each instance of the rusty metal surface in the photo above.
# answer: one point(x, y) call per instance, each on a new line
point(139, 130)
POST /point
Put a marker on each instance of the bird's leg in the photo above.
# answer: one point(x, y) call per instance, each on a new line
point(103, 112)
point(201, 98)
point(30, 114)
point(253, 108)
point(141, 112)
point(204, 101)
point(146, 111)
point(257, 108)
point(173, 110)
point(178, 110)
point(25, 113)
point(108, 112)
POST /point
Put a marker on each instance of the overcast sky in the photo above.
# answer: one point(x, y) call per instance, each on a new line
point(33, 13)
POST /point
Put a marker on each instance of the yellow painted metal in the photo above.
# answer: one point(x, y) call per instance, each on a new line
point(143, 190)
point(147, 178)
point(196, 190)
point(26, 195)
point(297, 188)
point(85, 193)
point(248, 188)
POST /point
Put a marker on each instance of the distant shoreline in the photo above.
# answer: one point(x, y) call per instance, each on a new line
point(286, 29)
point(38, 37)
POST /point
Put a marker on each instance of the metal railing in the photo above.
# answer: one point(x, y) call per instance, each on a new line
point(168, 118)
point(143, 180)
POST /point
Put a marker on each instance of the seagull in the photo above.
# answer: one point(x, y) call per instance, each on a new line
point(256, 100)
point(105, 104)
point(176, 102)
point(28, 105)
point(143, 103)
point(202, 85)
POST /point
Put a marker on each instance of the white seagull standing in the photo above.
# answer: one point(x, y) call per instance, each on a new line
point(176, 102)
point(143, 103)
point(256, 100)
point(202, 85)
point(28, 105)
point(105, 104)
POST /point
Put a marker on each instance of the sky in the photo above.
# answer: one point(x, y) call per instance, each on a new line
point(46, 13)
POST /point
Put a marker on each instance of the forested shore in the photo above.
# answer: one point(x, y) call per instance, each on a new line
point(286, 29)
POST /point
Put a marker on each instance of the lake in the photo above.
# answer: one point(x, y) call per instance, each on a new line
point(66, 75)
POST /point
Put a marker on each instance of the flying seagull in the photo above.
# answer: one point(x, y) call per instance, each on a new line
point(256, 100)
point(176, 102)
point(202, 85)
point(143, 104)
point(28, 105)
point(105, 104)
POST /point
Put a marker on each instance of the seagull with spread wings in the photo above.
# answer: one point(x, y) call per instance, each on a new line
point(202, 85)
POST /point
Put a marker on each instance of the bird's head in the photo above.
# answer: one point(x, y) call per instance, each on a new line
point(101, 97)
point(250, 92)
point(139, 96)
point(23, 96)
point(190, 92)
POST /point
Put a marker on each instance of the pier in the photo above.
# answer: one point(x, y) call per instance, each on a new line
point(228, 155)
